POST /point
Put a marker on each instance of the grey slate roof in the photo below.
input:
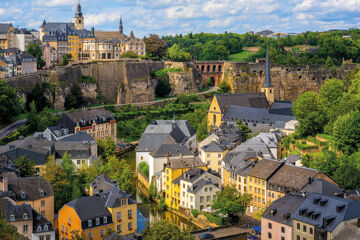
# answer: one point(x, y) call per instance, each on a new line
point(89, 207)
point(347, 232)
point(8, 209)
point(200, 184)
point(239, 163)
point(174, 150)
point(184, 125)
point(185, 162)
point(193, 174)
point(4, 27)
point(31, 186)
point(78, 137)
point(116, 236)
point(330, 211)
point(213, 147)
point(265, 168)
point(319, 185)
point(113, 197)
point(74, 149)
point(103, 183)
point(292, 159)
point(255, 100)
point(281, 108)
point(282, 210)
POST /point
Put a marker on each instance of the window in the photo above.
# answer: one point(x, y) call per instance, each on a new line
point(311, 231)
point(304, 228)
point(25, 216)
point(304, 238)
point(206, 189)
point(250, 179)
point(41, 193)
point(130, 214)
point(25, 228)
point(69, 220)
point(90, 235)
point(118, 228)
point(78, 162)
point(269, 225)
point(263, 192)
point(47, 237)
point(101, 232)
point(42, 213)
point(105, 219)
point(214, 197)
point(269, 235)
point(41, 238)
point(255, 181)
point(43, 203)
point(66, 229)
point(46, 228)
point(62, 228)
point(201, 199)
point(97, 221)
point(282, 229)
point(208, 198)
point(219, 155)
point(38, 229)
point(89, 223)
point(191, 198)
point(245, 180)
point(297, 237)
point(12, 218)
point(298, 226)
point(282, 238)
point(130, 225)
point(208, 155)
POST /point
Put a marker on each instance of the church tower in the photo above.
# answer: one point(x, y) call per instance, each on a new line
point(121, 29)
point(267, 88)
point(79, 19)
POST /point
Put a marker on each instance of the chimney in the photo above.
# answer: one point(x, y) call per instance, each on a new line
point(309, 180)
point(5, 184)
point(168, 158)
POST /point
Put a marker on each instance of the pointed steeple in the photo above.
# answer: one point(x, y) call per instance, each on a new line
point(121, 29)
point(43, 24)
point(78, 10)
point(132, 34)
point(267, 82)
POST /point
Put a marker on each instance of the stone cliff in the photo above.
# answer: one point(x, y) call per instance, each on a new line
point(289, 81)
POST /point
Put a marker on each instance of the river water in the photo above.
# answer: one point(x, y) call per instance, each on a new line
point(149, 210)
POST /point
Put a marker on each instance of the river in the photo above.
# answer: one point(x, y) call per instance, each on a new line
point(149, 210)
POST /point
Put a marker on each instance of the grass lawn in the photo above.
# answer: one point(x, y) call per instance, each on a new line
point(242, 56)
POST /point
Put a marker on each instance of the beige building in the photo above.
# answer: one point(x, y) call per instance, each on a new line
point(212, 154)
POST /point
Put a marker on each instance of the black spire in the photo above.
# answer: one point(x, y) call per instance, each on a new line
point(267, 82)
point(43, 24)
point(78, 10)
point(121, 29)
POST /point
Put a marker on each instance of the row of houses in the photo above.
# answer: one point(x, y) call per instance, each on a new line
point(15, 63)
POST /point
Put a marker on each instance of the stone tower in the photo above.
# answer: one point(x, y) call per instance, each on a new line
point(121, 29)
point(79, 19)
point(267, 88)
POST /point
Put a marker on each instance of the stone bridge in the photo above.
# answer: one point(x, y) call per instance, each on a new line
point(211, 70)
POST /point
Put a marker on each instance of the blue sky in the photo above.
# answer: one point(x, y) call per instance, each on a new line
point(166, 17)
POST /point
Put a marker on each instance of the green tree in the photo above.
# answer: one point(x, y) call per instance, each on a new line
point(37, 95)
point(106, 148)
point(347, 131)
point(68, 166)
point(25, 166)
point(223, 87)
point(308, 111)
point(7, 231)
point(10, 103)
point(75, 98)
point(163, 230)
point(120, 171)
point(329, 62)
point(65, 59)
point(129, 54)
point(144, 169)
point(347, 175)
point(230, 202)
point(163, 87)
point(155, 46)
point(35, 50)
point(40, 121)
point(175, 53)
point(245, 130)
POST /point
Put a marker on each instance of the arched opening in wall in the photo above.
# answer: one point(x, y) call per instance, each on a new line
point(202, 68)
point(214, 123)
point(214, 68)
point(219, 68)
point(270, 90)
point(261, 73)
point(208, 68)
point(211, 81)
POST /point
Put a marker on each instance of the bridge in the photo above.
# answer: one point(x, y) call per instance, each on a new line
point(211, 72)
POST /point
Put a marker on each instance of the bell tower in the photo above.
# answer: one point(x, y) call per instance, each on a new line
point(267, 88)
point(79, 19)
point(121, 28)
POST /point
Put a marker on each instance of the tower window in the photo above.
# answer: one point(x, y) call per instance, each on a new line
point(270, 90)
point(79, 20)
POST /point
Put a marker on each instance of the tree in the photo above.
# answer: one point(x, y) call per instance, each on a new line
point(163, 230)
point(65, 59)
point(347, 175)
point(68, 166)
point(175, 53)
point(347, 131)
point(308, 111)
point(35, 50)
point(106, 148)
point(25, 166)
point(155, 46)
point(7, 231)
point(37, 95)
point(10, 103)
point(329, 62)
point(223, 87)
point(120, 171)
point(75, 98)
point(230, 202)
point(244, 129)
point(163, 87)
point(144, 169)
point(40, 121)
point(129, 54)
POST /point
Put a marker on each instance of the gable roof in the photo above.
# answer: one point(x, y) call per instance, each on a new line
point(4, 27)
point(319, 185)
point(174, 150)
point(255, 100)
point(31, 186)
point(347, 232)
point(200, 184)
point(282, 210)
point(193, 174)
point(103, 183)
point(213, 147)
point(265, 168)
point(330, 211)
point(185, 162)
point(89, 207)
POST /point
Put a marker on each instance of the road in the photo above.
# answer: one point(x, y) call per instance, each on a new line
point(227, 233)
point(11, 128)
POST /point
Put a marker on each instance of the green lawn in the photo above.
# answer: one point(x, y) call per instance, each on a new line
point(242, 56)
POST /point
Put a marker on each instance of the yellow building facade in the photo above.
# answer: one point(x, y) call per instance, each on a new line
point(257, 188)
point(7, 37)
point(215, 115)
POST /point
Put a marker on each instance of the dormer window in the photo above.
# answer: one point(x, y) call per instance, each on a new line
point(25, 216)
point(12, 218)
point(41, 193)
point(46, 228)
point(89, 223)
point(97, 221)
point(39, 229)
point(23, 195)
point(105, 219)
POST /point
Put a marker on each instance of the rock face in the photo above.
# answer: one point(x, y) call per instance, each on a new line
point(187, 81)
point(289, 81)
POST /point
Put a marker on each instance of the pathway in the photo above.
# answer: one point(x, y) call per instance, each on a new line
point(11, 127)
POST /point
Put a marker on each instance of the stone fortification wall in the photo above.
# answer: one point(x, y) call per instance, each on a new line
point(289, 81)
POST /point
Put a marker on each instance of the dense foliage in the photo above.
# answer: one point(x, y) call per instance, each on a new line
point(7, 231)
point(144, 169)
point(163, 230)
point(129, 54)
point(37, 95)
point(75, 98)
point(163, 87)
point(35, 50)
point(155, 46)
point(25, 166)
point(10, 103)
point(39, 121)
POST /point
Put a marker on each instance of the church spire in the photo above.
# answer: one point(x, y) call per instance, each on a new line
point(78, 10)
point(121, 29)
point(267, 82)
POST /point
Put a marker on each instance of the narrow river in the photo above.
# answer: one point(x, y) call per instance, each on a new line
point(149, 210)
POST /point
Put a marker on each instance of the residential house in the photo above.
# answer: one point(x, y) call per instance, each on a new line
point(99, 123)
point(102, 183)
point(161, 137)
point(198, 188)
point(50, 55)
point(322, 186)
point(23, 37)
point(212, 154)
point(20, 64)
point(34, 148)
point(322, 217)
point(293, 159)
point(173, 169)
point(347, 232)
point(257, 181)
point(116, 236)
point(7, 35)
point(96, 214)
point(35, 191)
point(276, 221)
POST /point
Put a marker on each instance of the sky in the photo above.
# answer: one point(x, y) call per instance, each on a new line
point(170, 17)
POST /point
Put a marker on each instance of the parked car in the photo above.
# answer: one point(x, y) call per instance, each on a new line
point(206, 236)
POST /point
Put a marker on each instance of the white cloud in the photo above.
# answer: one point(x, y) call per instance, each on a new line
point(2, 11)
point(99, 19)
point(56, 3)
point(305, 5)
